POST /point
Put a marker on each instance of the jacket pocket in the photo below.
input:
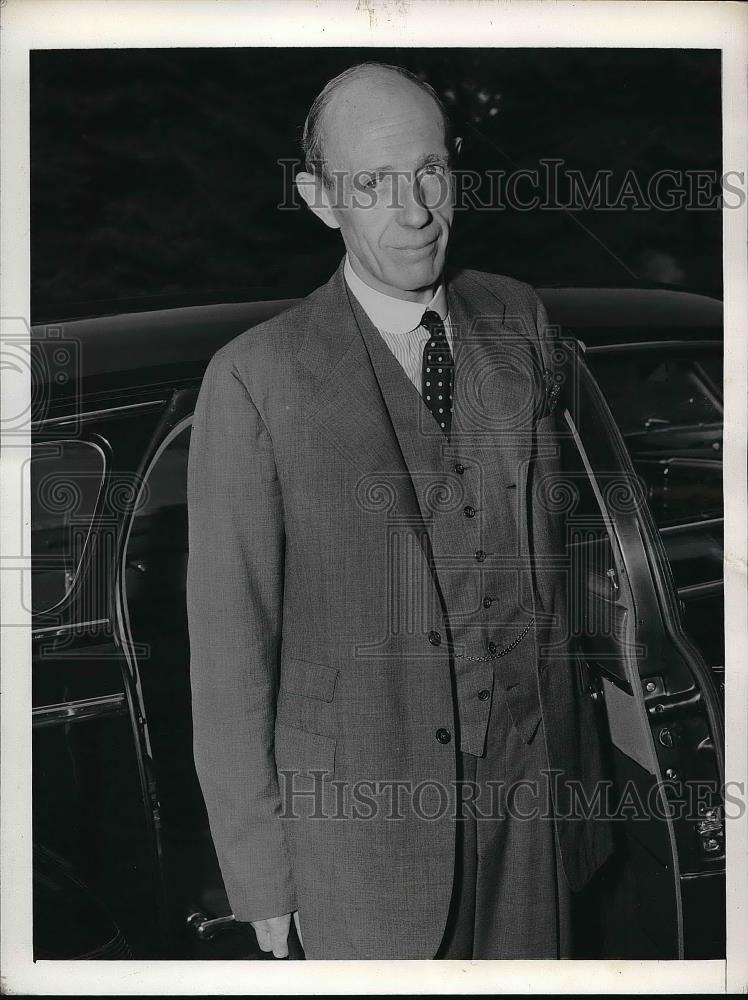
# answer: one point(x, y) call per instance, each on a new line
point(312, 680)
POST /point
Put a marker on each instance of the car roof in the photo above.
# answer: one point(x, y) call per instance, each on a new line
point(172, 345)
point(613, 308)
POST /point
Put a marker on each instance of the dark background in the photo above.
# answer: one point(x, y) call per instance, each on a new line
point(155, 178)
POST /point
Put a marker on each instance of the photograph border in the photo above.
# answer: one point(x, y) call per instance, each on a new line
point(26, 25)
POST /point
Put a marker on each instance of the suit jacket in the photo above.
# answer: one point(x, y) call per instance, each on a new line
point(315, 605)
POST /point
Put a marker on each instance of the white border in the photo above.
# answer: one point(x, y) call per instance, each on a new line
point(27, 24)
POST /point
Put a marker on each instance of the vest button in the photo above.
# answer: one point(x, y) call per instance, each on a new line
point(443, 735)
point(480, 555)
point(459, 468)
point(435, 637)
point(469, 511)
point(492, 647)
point(487, 601)
point(484, 694)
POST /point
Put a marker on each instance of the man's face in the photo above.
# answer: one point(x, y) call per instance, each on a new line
point(391, 191)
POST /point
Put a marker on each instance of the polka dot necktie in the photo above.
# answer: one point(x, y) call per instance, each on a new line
point(437, 371)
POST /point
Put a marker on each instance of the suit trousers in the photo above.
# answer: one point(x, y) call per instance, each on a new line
point(510, 898)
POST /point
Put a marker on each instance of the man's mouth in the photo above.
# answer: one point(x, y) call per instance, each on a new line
point(419, 246)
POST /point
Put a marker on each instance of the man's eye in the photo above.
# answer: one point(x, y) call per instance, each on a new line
point(370, 182)
point(434, 168)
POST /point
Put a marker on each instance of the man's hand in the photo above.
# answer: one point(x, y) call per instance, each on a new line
point(272, 933)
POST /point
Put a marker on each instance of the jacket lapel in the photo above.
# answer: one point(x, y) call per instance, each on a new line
point(420, 440)
point(346, 354)
point(369, 407)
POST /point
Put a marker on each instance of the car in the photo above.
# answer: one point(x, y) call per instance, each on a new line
point(124, 860)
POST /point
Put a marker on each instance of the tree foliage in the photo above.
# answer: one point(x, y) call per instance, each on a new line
point(158, 172)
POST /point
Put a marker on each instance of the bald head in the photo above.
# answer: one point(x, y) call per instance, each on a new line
point(379, 171)
point(356, 95)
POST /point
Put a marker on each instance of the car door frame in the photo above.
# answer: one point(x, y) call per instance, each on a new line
point(643, 568)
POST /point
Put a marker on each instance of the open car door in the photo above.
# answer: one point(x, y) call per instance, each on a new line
point(658, 704)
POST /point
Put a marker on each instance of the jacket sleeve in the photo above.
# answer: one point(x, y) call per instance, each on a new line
point(234, 604)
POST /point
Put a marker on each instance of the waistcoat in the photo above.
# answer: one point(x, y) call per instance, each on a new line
point(471, 491)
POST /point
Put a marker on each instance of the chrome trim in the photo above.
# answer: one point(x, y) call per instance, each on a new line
point(701, 589)
point(708, 873)
point(79, 711)
point(712, 427)
point(55, 630)
point(657, 345)
point(679, 461)
point(134, 686)
point(92, 414)
point(676, 529)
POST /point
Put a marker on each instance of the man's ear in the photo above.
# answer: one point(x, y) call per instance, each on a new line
point(317, 197)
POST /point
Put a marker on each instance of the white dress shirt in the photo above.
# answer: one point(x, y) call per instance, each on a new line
point(399, 321)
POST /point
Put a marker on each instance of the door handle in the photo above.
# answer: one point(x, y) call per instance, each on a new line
point(206, 928)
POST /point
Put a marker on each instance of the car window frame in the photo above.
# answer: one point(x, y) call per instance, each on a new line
point(102, 446)
point(658, 570)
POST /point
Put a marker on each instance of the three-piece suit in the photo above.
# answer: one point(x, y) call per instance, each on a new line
point(377, 610)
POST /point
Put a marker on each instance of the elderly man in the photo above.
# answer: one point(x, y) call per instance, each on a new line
point(388, 717)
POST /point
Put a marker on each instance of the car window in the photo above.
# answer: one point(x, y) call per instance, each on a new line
point(682, 490)
point(650, 390)
point(668, 406)
point(674, 437)
point(695, 552)
point(66, 479)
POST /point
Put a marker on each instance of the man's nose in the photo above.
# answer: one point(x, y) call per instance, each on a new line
point(413, 210)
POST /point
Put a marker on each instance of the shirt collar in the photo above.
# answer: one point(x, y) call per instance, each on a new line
point(388, 313)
